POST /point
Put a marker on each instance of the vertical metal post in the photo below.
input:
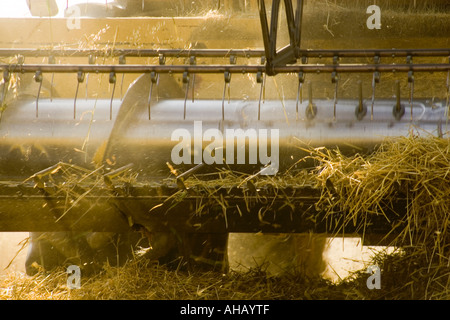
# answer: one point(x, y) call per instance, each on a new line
point(185, 81)
point(361, 109)
point(311, 110)
point(112, 80)
point(301, 80)
point(260, 79)
point(411, 92)
point(153, 80)
point(91, 60)
point(375, 80)
point(80, 79)
point(38, 78)
point(399, 109)
point(227, 78)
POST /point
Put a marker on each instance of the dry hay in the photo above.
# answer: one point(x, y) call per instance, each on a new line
point(415, 168)
point(142, 279)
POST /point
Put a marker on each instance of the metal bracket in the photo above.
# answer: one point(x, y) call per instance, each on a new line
point(290, 53)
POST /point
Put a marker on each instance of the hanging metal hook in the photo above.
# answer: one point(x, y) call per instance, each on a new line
point(375, 80)
point(409, 60)
point(186, 82)
point(301, 80)
point(112, 80)
point(260, 79)
point(361, 109)
point(233, 60)
point(153, 80)
point(227, 78)
point(263, 62)
point(38, 78)
point(411, 92)
point(335, 80)
point(80, 79)
point(311, 110)
point(91, 60)
point(399, 109)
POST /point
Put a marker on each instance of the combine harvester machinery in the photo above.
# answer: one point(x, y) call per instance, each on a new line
point(87, 167)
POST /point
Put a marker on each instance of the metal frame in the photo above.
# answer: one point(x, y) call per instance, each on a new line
point(349, 68)
point(104, 206)
point(222, 53)
point(291, 52)
point(275, 64)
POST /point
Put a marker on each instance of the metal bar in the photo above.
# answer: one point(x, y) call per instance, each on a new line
point(273, 31)
point(187, 174)
point(284, 56)
point(361, 109)
point(223, 53)
point(298, 26)
point(112, 80)
point(264, 26)
point(290, 19)
point(144, 53)
point(105, 215)
point(186, 81)
point(348, 68)
point(393, 53)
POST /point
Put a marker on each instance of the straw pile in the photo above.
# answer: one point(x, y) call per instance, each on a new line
point(414, 168)
point(143, 280)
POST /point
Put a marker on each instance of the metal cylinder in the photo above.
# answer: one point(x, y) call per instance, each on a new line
point(149, 144)
point(29, 144)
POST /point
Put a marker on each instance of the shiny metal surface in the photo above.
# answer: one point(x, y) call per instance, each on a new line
point(147, 143)
point(29, 144)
